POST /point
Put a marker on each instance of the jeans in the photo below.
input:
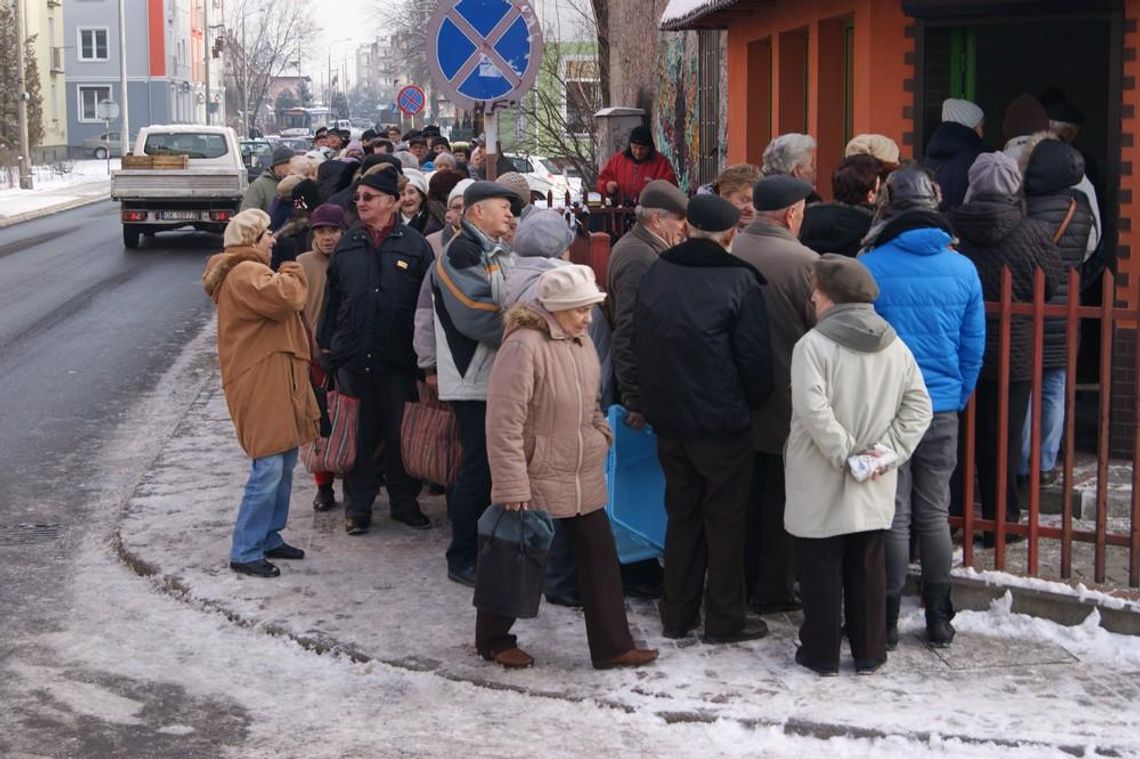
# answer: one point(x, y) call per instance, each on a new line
point(1052, 421)
point(922, 503)
point(472, 492)
point(264, 507)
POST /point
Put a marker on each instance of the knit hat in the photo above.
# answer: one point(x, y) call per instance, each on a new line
point(328, 215)
point(844, 279)
point(568, 287)
point(518, 183)
point(641, 135)
point(246, 227)
point(543, 233)
point(384, 181)
point(417, 179)
point(877, 145)
point(993, 174)
point(282, 155)
point(1024, 115)
point(459, 189)
point(962, 112)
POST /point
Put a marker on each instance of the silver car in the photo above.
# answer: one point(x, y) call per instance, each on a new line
point(100, 146)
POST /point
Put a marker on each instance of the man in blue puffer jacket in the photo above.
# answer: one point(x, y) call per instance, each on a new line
point(932, 297)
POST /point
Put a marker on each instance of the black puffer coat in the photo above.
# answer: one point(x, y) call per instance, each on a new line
point(994, 232)
point(835, 228)
point(951, 152)
point(702, 342)
point(1053, 168)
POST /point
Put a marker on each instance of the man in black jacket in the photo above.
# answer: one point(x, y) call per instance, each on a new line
point(703, 363)
point(366, 339)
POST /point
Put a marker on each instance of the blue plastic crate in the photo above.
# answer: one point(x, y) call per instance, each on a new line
point(636, 489)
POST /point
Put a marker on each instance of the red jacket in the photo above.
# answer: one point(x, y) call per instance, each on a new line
point(631, 176)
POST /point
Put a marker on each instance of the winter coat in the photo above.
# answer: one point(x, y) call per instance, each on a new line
point(835, 227)
point(522, 287)
point(786, 265)
point(546, 437)
point(263, 350)
point(854, 385)
point(632, 175)
point(1053, 169)
point(932, 297)
point(701, 342)
point(436, 217)
point(370, 300)
point(994, 232)
point(261, 191)
point(316, 266)
point(631, 257)
point(467, 286)
point(952, 150)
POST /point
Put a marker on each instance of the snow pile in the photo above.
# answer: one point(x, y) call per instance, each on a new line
point(54, 187)
point(1079, 591)
point(681, 10)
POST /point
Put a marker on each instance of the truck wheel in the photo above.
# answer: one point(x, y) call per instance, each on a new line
point(130, 236)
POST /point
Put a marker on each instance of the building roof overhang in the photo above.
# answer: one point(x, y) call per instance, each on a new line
point(708, 14)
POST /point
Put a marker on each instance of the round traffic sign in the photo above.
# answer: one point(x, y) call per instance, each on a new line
point(484, 50)
point(410, 99)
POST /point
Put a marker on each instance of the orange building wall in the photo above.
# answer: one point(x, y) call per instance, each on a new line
point(155, 17)
point(881, 74)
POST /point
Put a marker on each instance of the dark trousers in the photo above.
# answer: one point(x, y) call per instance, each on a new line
point(596, 565)
point(845, 572)
point(382, 396)
point(472, 492)
point(986, 426)
point(768, 574)
point(707, 483)
point(559, 579)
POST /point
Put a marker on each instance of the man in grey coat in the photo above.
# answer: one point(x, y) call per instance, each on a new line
point(769, 243)
point(263, 190)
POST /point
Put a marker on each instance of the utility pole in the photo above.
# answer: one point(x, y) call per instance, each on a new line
point(22, 107)
point(207, 49)
point(125, 126)
point(244, 83)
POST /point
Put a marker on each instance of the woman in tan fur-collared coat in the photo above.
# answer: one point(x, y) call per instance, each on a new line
point(546, 444)
point(264, 354)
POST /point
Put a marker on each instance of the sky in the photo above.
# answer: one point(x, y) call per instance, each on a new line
point(354, 23)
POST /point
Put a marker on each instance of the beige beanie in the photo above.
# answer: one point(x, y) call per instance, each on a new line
point(568, 287)
point(246, 227)
point(876, 145)
point(517, 182)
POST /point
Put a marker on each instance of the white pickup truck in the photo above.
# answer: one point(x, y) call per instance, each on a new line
point(203, 192)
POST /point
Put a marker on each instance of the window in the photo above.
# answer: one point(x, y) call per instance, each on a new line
point(93, 44)
point(89, 98)
point(583, 94)
point(190, 144)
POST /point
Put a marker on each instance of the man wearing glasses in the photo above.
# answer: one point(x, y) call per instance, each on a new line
point(365, 337)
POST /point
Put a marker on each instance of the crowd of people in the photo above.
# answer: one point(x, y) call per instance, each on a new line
point(803, 364)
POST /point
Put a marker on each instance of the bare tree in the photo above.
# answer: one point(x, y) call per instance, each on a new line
point(264, 36)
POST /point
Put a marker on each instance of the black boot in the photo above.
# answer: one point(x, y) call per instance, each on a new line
point(939, 612)
point(325, 499)
point(894, 600)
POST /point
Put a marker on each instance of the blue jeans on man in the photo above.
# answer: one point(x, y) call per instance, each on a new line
point(1052, 421)
point(264, 507)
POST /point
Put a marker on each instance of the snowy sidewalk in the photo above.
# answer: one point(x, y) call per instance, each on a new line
point(1008, 679)
point(87, 182)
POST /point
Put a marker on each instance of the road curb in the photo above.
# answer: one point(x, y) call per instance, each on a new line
point(41, 212)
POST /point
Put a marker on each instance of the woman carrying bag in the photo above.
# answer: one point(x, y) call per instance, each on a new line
point(546, 442)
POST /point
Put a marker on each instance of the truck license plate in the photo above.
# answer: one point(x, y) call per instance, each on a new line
point(179, 215)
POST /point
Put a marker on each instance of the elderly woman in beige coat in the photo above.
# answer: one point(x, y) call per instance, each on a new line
point(264, 356)
point(546, 444)
point(855, 386)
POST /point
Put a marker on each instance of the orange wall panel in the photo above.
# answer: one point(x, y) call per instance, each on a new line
point(157, 32)
point(1129, 184)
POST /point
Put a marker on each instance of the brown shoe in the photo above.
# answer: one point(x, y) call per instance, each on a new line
point(511, 658)
point(637, 657)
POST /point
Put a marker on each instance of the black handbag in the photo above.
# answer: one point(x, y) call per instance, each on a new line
point(511, 565)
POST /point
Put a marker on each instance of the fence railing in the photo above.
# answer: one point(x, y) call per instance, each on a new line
point(1109, 316)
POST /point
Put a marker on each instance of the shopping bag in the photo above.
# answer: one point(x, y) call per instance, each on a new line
point(429, 439)
point(511, 563)
point(336, 451)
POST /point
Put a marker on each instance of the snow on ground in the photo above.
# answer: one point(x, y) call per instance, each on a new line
point(86, 179)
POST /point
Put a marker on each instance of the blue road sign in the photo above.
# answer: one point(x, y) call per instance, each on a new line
point(485, 50)
point(410, 99)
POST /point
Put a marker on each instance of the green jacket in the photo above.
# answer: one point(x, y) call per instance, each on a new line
point(261, 192)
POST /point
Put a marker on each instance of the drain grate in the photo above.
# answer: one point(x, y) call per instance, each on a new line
point(28, 534)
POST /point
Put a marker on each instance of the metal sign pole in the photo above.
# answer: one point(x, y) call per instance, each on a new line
point(107, 131)
point(491, 124)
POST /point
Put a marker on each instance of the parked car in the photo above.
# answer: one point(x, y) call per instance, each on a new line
point(542, 175)
point(256, 155)
point(299, 144)
point(102, 145)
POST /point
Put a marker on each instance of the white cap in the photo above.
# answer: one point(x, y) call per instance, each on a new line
point(568, 287)
point(460, 187)
point(962, 112)
point(417, 179)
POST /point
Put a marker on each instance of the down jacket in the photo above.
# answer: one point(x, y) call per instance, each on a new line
point(546, 436)
point(994, 232)
point(932, 297)
point(951, 152)
point(632, 175)
point(1053, 168)
point(263, 350)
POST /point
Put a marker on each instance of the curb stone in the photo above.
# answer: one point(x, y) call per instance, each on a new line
point(41, 212)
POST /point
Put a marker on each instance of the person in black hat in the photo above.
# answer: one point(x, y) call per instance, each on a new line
point(263, 190)
point(320, 137)
point(365, 335)
point(418, 147)
point(628, 171)
point(704, 362)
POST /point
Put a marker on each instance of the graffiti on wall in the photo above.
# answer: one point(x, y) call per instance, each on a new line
point(678, 108)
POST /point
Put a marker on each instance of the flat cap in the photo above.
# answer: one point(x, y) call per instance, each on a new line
point(844, 279)
point(477, 191)
point(712, 213)
point(778, 191)
point(664, 196)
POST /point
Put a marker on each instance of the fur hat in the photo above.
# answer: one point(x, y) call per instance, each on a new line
point(246, 228)
point(568, 287)
point(543, 233)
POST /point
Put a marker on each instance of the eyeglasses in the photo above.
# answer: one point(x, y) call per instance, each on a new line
point(364, 197)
